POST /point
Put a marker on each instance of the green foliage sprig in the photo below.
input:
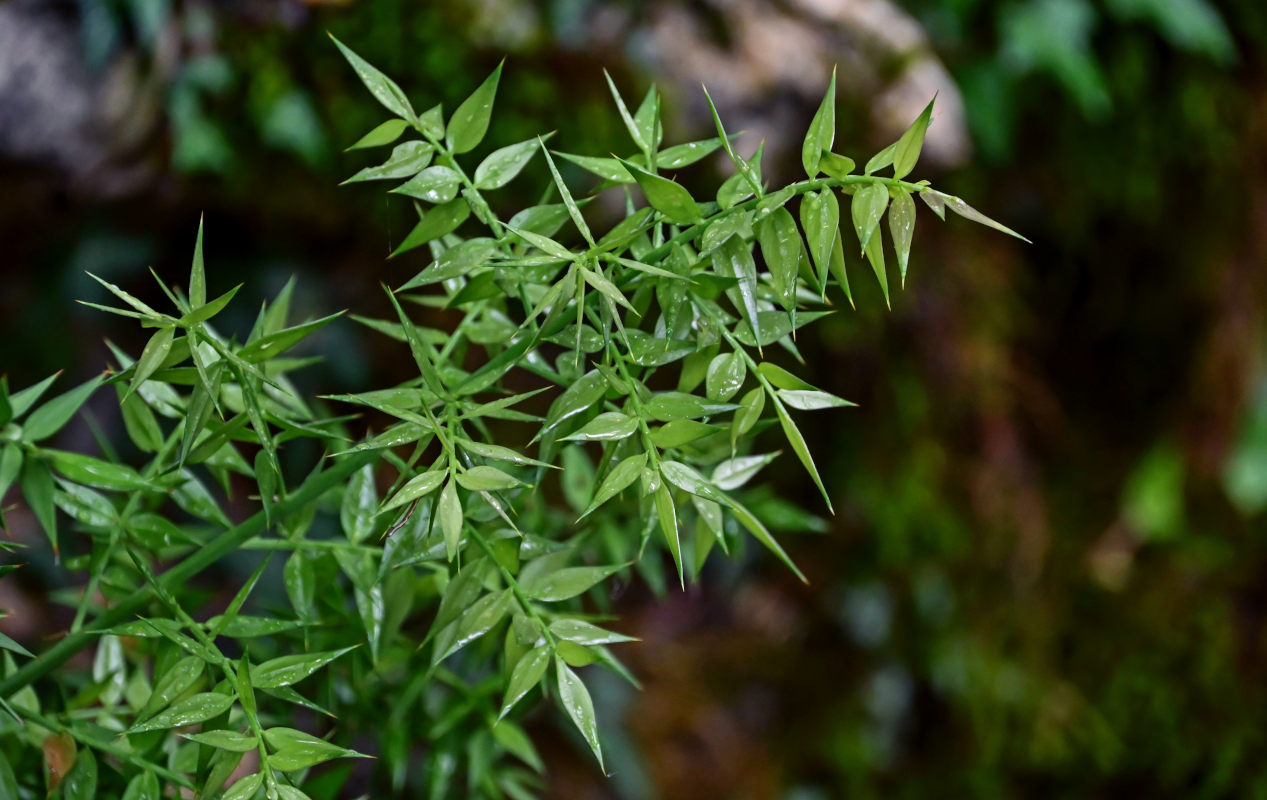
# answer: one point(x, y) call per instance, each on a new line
point(436, 579)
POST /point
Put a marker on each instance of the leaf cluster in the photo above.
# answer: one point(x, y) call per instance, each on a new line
point(445, 572)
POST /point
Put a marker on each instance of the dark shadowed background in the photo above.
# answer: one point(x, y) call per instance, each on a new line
point(1045, 576)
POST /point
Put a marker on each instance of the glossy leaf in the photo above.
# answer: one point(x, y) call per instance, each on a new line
point(439, 221)
point(469, 122)
point(811, 400)
point(668, 197)
point(820, 217)
point(966, 211)
point(608, 426)
point(435, 184)
point(620, 478)
point(666, 513)
point(906, 151)
point(287, 670)
point(359, 506)
point(586, 633)
point(835, 165)
point(418, 486)
point(197, 708)
point(232, 741)
point(735, 472)
point(902, 228)
point(502, 165)
point(382, 87)
point(726, 374)
point(486, 479)
point(450, 514)
point(734, 260)
point(386, 133)
point(797, 441)
point(782, 248)
point(566, 583)
point(37, 489)
point(867, 208)
point(407, 159)
point(822, 130)
point(53, 415)
point(576, 701)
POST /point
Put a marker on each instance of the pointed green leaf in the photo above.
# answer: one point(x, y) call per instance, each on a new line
point(382, 87)
point(295, 750)
point(606, 427)
point(668, 197)
point(407, 159)
point(418, 486)
point(152, 357)
point(866, 208)
point(880, 160)
point(232, 741)
point(277, 343)
point(875, 255)
point(635, 131)
point(906, 151)
point(681, 155)
point(526, 674)
point(966, 211)
point(609, 169)
point(205, 311)
point(835, 165)
point(450, 513)
point(502, 165)
point(575, 699)
point(383, 134)
point(95, 472)
point(49, 418)
point(287, 670)
point(902, 227)
point(820, 217)
point(479, 619)
point(734, 260)
point(812, 399)
point(822, 130)
point(21, 401)
point(37, 490)
point(837, 266)
point(198, 273)
point(585, 633)
point(797, 441)
point(761, 534)
point(436, 184)
point(197, 708)
point(780, 377)
point(782, 248)
point(244, 788)
point(735, 472)
point(667, 515)
point(668, 406)
point(360, 505)
point(469, 123)
point(726, 374)
point(486, 479)
point(620, 478)
point(566, 583)
point(441, 220)
point(573, 210)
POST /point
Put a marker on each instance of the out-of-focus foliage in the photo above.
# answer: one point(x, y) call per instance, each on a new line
point(1044, 575)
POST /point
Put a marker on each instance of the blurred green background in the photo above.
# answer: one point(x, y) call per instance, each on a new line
point(1044, 578)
